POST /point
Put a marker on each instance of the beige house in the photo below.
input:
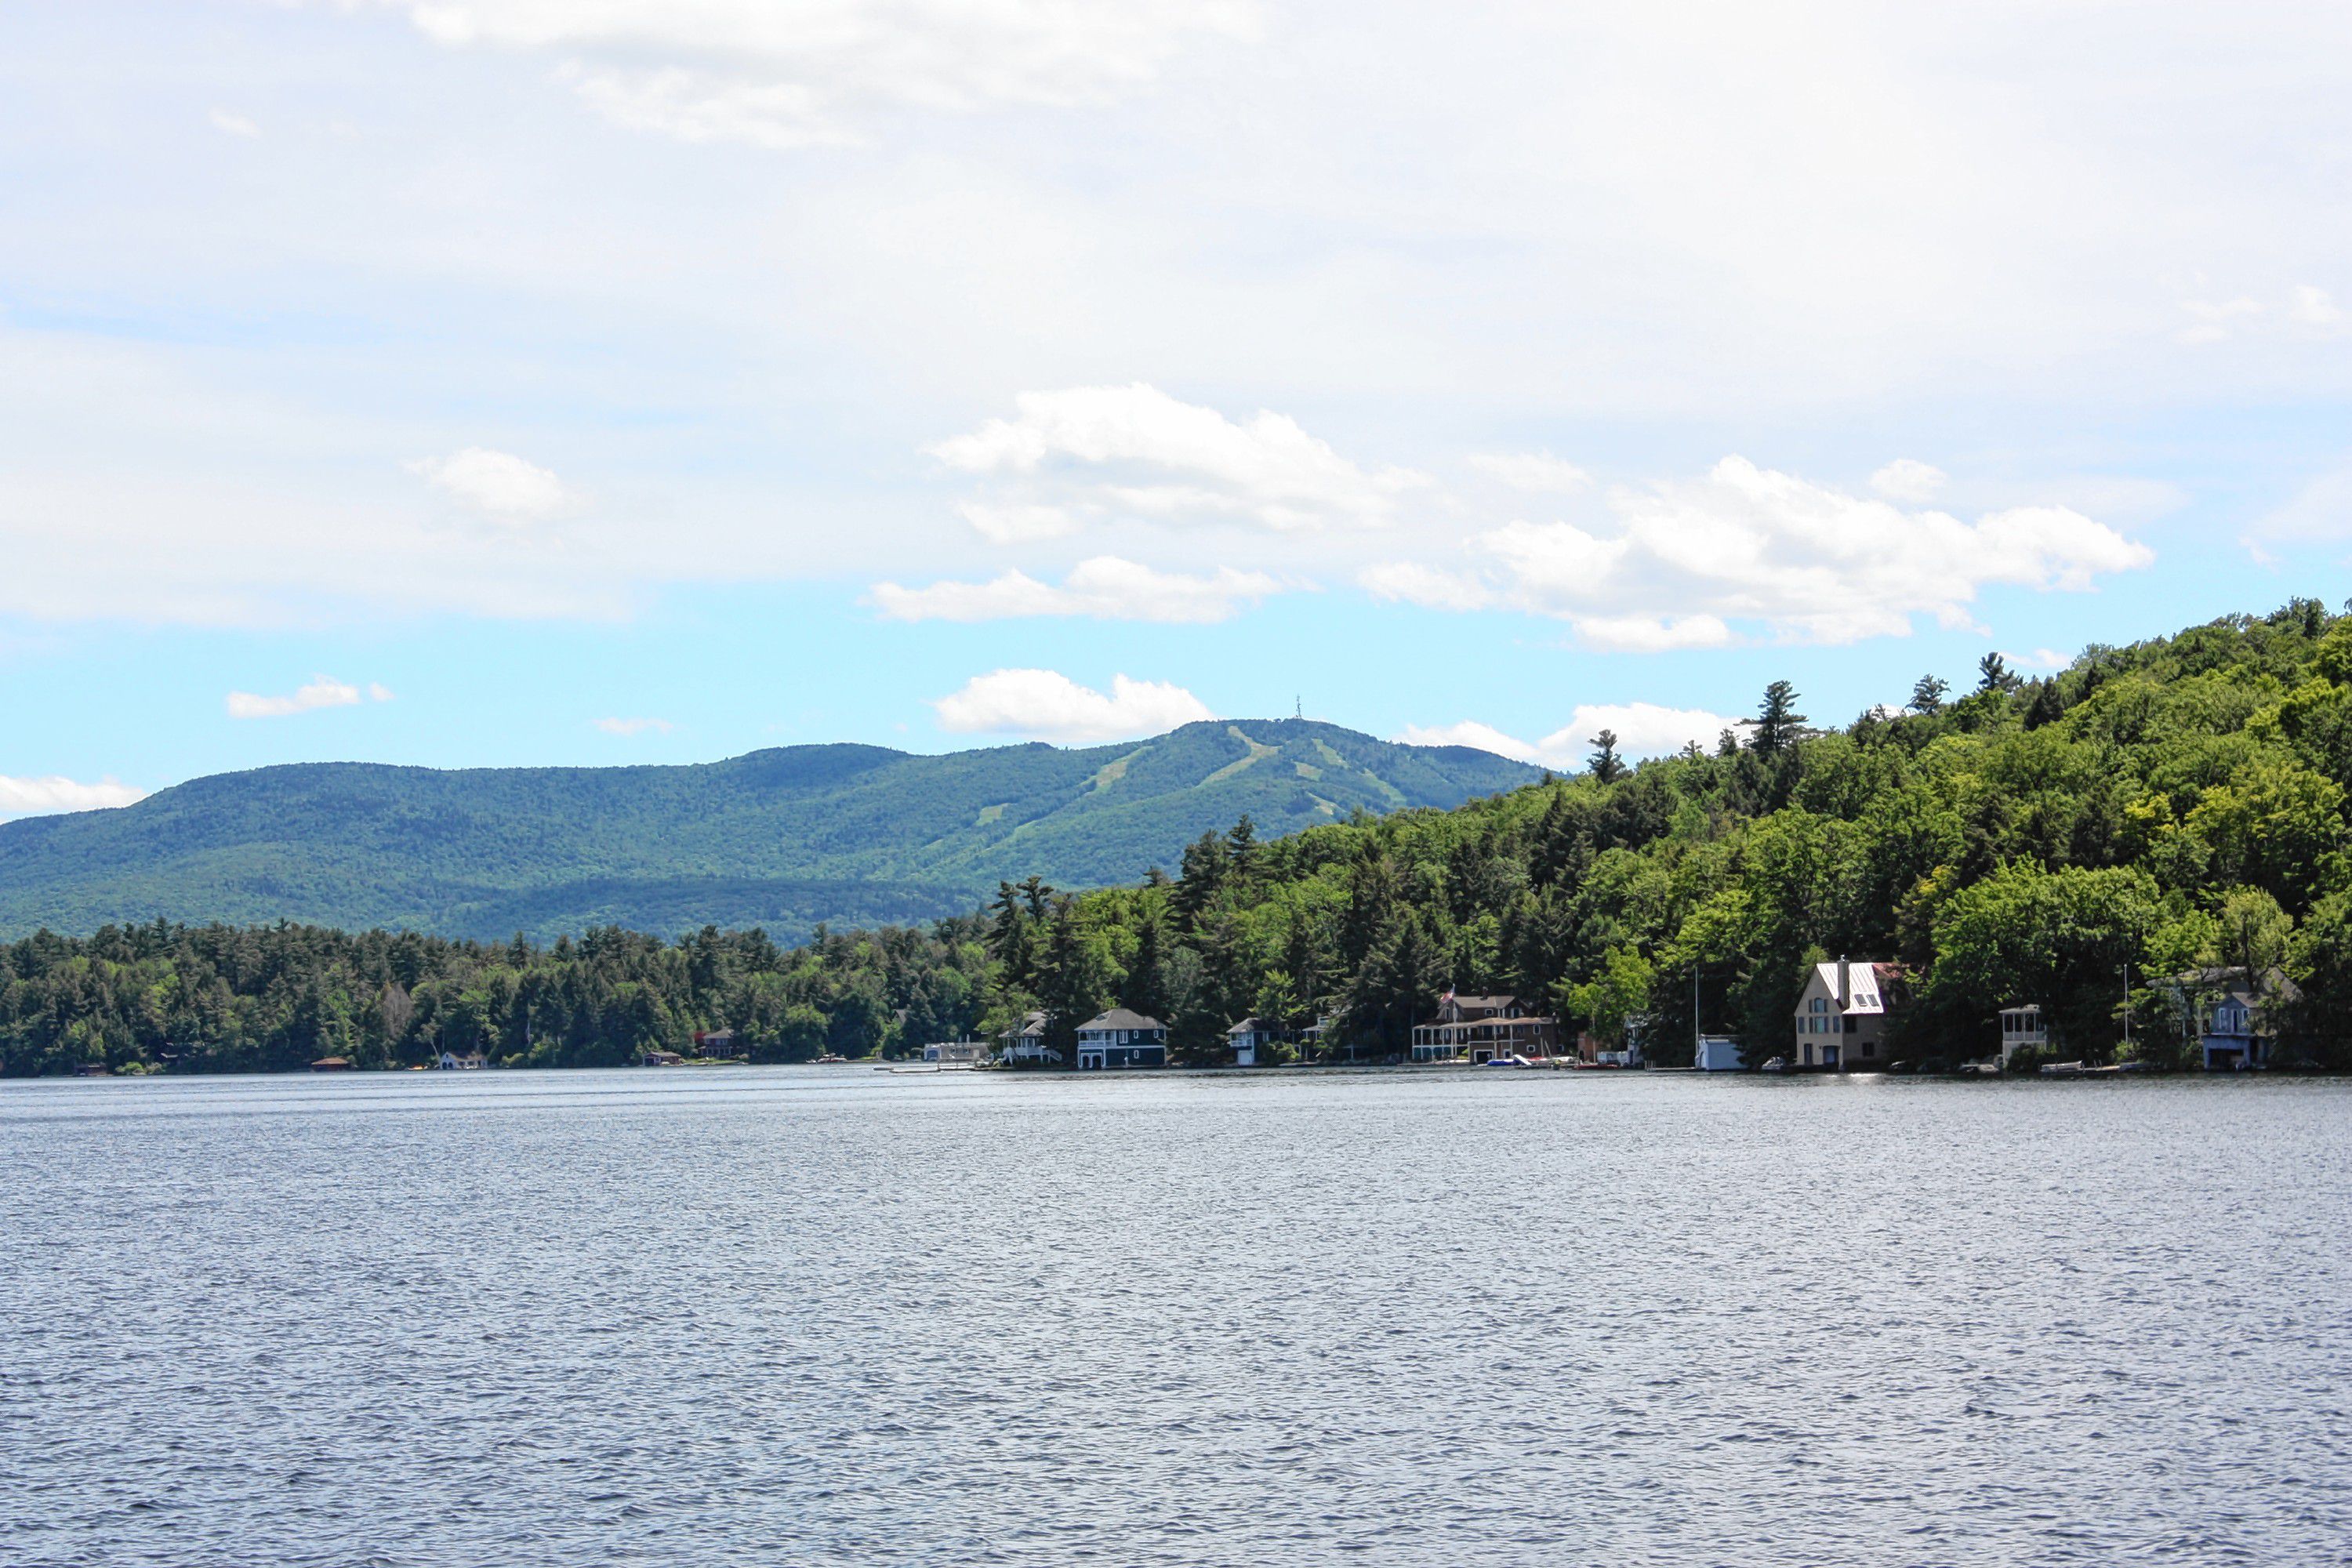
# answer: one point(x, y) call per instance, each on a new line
point(1841, 1019)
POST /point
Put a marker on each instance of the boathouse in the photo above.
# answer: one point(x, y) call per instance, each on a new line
point(1121, 1039)
point(1248, 1037)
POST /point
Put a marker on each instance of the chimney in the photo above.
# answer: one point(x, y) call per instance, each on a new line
point(1845, 983)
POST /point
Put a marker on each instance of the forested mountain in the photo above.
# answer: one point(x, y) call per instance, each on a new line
point(781, 839)
point(2153, 809)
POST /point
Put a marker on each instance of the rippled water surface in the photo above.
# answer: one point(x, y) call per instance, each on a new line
point(829, 1315)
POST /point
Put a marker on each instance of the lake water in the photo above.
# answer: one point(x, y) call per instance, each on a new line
point(829, 1315)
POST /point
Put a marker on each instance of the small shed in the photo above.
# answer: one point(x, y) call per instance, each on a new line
point(1717, 1053)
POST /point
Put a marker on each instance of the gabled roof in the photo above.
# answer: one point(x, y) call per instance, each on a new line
point(1251, 1026)
point(1867, 978)
point(1120, 1018)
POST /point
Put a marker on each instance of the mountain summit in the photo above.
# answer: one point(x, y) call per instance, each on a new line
point(782, 838)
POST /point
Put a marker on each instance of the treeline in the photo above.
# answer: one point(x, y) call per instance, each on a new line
point(276, 998)
point(2076, 840)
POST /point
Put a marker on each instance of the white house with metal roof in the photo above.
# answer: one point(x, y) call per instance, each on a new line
point(1840, 1018)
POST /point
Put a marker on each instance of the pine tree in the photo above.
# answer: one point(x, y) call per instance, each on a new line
point(1928, 694)
point(2048, 706)
point(1605, 764)
point(1777, 725)
point(1145, 987)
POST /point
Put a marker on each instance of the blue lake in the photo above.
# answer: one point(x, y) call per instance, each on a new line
point(830, 1315)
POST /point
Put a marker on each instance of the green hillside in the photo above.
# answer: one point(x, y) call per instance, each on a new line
point(782, 838)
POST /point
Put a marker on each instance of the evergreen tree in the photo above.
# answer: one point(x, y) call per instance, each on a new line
point(1145, 987)
point(1604, 764)
point(1777, 725)
point(1200, 881)
point(1928, 694)
point(1075, 982)
point(1993, 674)
point(2047, 706)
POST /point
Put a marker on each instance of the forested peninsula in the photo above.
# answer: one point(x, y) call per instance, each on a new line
point(2076, 838)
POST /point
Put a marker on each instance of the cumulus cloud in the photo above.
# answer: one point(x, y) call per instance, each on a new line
point(1536, 472)
point(40, 796)
point(809, 73)
point(498, 485)
point(635, 726)
point(1687, 559)
point(1643, 729)
point(1908, 479)
point(1046, 705)
point(1098, 453)
point(323, 691)
point(1106, 588)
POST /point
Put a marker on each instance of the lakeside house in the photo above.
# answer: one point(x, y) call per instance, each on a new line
point(1840, 1014)
point(2230, 1013)
point(1121, 1039)
point(971, 1051)
point(657, 1059)
point(1480, 1028)
point(1250, 1037)
point(1026, 1042)
point(719, 1044)
point(2022, 1029)
point(468, 1061)
point(331, 1064)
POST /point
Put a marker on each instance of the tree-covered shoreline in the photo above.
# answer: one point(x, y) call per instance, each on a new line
point(2150, 811)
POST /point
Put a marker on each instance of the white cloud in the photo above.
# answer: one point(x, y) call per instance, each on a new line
point(498, 485)
point(1046, 705)
point(1908, 479)
point(1101, 453)
point(1807, 561)
point(1536, 472)
point(1106, 588)
point(322, 691)
point(2314, 306)
point(810, 72)
point(39, 796)
point(233, 124)
point(1643, 729)
point(635, 726)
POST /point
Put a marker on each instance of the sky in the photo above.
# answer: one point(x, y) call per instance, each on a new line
point(514, 382)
